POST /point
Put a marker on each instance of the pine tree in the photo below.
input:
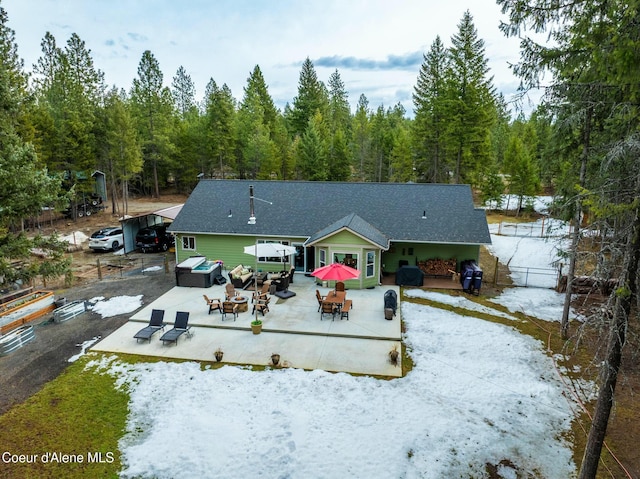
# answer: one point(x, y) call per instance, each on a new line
point(256, 86)
point(123, 155)
point(256, 118)
point(311, 98)
point(430, 102)
point(153, 112)
point(471, 101)
point(312, 151)
point(339, 124)
point(361, 137)
point(339, 117)
point(69, 90)
point(338, 157)
point(25, 187)
point(220, 131)
point(184, 93)
point(402, 169)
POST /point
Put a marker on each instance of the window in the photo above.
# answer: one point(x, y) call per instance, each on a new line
point(371, 259)
point(348, 259)
point(322, 259)
point(189, 243)
point(274, 259)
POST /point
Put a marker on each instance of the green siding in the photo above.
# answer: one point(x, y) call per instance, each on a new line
point(423, 251)
point(345, 237)
point(229, 249)
point(344, 242)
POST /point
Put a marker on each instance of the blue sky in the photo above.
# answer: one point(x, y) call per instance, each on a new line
point(376, 45)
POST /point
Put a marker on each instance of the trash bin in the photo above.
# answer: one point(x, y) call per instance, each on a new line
point(470, 276)
point(390, 304)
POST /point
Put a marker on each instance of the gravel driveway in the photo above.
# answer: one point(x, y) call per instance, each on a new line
point(25, 371)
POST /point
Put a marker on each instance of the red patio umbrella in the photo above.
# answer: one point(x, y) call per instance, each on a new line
point(336, 272)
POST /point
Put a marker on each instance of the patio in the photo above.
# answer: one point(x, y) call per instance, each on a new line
point(292, 328)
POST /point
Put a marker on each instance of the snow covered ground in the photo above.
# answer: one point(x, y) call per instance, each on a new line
point(479, 393)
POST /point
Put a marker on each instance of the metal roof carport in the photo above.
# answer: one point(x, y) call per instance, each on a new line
point(132, 224)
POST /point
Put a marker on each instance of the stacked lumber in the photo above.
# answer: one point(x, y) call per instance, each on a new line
point(438, 267)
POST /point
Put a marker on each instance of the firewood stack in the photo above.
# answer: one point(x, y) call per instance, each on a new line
point(438, 267)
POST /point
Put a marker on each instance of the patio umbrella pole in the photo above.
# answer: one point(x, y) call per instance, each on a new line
point(255, 285)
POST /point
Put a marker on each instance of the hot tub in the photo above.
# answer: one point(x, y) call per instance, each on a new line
point(196, 272)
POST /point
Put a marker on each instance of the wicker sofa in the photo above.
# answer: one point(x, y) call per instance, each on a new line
point(240, 276)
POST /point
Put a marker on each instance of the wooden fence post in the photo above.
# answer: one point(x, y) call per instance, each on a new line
point(495, 273)
point(99, 270)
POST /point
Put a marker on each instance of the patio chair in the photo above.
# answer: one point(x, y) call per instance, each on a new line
point(261, 305)
point(320, 298)
point(346, 307)
point(156, 323)
point(180, 327)
point(214, 304)
point(327, 308)
point(339, 286)
point(262, 293)
point(229, 308)
point(230, 291)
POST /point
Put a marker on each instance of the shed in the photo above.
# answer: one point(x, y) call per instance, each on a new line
point(132, 224)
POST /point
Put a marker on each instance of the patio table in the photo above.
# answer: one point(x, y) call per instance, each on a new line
point(335, 297)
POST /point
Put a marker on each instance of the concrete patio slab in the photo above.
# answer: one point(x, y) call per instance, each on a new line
point(292, 328)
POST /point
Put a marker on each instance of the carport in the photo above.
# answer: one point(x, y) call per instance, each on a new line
point(132, 224)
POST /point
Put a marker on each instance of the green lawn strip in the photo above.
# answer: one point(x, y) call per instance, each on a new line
point(80, 414)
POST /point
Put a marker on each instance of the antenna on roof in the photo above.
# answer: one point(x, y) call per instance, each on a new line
point(424, 215)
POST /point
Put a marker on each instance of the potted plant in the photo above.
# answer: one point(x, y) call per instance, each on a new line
point(275, 359)
point(218, 353)
point(256, 326)
point(394, 355)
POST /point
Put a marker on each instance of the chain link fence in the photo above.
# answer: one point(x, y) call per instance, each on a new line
point(526, 276)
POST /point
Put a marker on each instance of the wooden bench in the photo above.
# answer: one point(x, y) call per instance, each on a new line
point(346, 307)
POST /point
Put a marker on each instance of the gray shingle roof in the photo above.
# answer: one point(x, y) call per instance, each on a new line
point(355, 224)
point(301, 209)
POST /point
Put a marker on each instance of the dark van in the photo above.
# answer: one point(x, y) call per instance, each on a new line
point(154, 238)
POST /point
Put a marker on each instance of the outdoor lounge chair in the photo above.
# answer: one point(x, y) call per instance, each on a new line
point(213, 303)
point(320, 298)
point(328, 308)
point(229, 308)
point(180, 327)
point(230, 291)
point(261, 305)
point(156, 323)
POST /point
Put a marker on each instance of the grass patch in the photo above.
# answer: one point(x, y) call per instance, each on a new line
point(79, 414)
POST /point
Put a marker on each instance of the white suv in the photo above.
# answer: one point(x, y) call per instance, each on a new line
point(107, 239)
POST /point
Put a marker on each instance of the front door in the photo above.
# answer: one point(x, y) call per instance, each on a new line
point(298, 260)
